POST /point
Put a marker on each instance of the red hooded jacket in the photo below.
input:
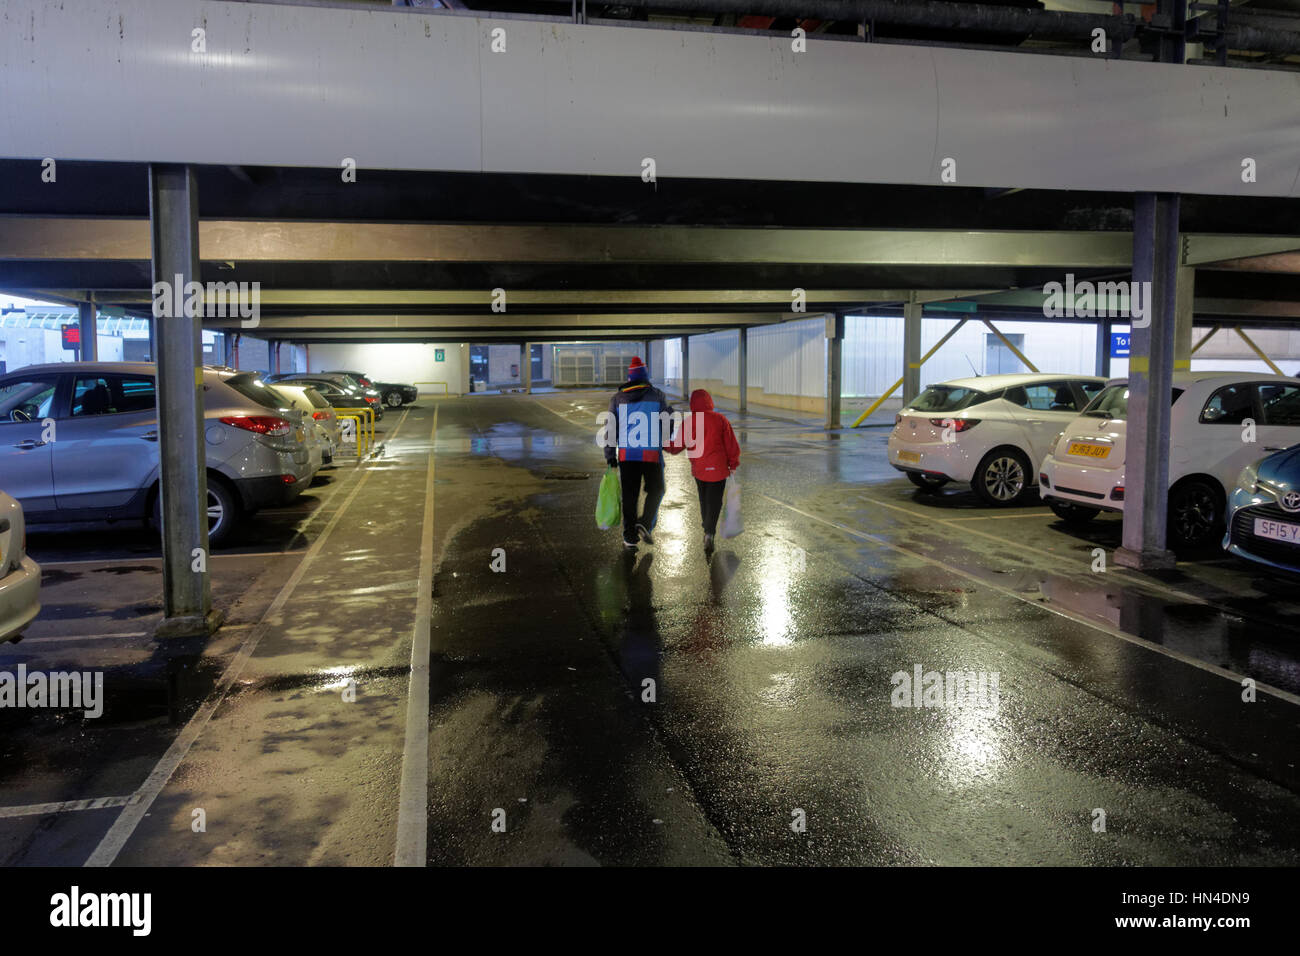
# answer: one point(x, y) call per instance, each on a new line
point(708, 439)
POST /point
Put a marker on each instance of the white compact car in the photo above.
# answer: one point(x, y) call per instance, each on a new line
point(20, 576)
point(989, 431)
point(1210, 442)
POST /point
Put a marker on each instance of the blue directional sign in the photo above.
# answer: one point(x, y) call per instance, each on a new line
point(1119, 344)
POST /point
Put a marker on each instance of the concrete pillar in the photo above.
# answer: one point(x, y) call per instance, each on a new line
point(834, 367)
point(1186, 282)
point(742, 370)
point(686, 367)
point(1151, 367)
point(228, 349)
point(911, 349)
point(87, 319)
point(174, 232)
point(275, 356)
point(645, 357)
point(1104, 327)
point(526, 368)
point(466, 382)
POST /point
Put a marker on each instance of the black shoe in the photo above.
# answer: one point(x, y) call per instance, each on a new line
point(629, 544)
point(645, 535)
point(708, 542)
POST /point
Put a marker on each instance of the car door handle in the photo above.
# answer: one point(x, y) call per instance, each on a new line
point(150, 436)
point(29, 443)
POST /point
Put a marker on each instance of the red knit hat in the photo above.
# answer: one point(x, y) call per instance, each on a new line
point(635, 363)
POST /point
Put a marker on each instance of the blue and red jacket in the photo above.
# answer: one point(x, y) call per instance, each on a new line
point(635, 418)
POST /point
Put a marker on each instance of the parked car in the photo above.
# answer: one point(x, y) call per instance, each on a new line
point(78, 442)
point(1263, 518)
point(324, 420)
point(20, 576)
point(988, 430)
point(1209, 445)
point(393, 394)
point(360, 396)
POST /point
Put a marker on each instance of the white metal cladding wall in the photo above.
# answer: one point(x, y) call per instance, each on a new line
point(714, 357)
point(873, 350)
point(285, 85)
point(790, 358)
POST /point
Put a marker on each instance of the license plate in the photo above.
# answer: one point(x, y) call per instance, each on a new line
point(911, 457)
point(1277, 530)
point(1088, 450)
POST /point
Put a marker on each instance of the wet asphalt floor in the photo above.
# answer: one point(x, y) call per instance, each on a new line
point(593, 706)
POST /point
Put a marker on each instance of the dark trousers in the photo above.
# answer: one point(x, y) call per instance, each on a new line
point(710, 503)
point(631, 474)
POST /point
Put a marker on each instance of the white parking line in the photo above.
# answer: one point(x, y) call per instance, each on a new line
point(124, 826)
point(413, 802)
point(67, 806)
point(1077, 618)
point(81, 637)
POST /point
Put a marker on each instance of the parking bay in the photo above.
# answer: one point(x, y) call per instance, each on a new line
point(772, 668)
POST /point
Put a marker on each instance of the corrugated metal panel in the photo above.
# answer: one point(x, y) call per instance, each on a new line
point(286, 85)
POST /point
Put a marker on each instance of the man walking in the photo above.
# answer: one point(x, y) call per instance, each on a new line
point(640, 412)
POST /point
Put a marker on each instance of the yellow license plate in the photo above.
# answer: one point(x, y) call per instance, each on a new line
point(1088, 450)
point(912, 457)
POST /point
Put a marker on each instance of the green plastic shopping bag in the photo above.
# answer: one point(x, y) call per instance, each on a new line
point(609, 502)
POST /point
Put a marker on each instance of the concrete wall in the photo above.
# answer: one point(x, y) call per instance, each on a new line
point(22, 347)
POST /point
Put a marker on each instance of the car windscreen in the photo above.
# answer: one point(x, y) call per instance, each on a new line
point(252, 387)
point(1112, 403)
point(947, 398)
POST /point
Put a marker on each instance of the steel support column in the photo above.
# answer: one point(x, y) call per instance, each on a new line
point(911, 349)
point(834, 367)
point(1102, 365)
point(742, 371)
point(1183, 314)
point(87, 320)
point(526, 367)
point(174, 226)
point(686, 367)
point(1150, 383)
point(645, 357)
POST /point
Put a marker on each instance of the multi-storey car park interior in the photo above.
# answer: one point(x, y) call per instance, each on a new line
point(986, 609)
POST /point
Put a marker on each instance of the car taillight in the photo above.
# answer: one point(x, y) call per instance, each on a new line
point(958, 424)
point(371, 399)
point(262, 424)
point(1117, 493)
point(288, 479)
point(320, 416)
point(1042, 479)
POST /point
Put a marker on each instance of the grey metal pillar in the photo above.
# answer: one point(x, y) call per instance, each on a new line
point(228, 348)
point(742, 370)
point(834, 367)
point(645, 346)
point(87, 320)
point(686, 367)
point(1104, 328)
point(1186, 282)
point(174, 232)
point(1151, 367)
point(526, 368)
point(911, 349)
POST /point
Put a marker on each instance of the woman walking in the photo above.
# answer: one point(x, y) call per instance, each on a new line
point(709, 441)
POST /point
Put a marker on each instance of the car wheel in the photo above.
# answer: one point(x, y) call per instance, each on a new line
point(223, 512)
point(1076, 516)
point(1002, 477)
point(926, 482)
point(393, 399)
point(1195, 514)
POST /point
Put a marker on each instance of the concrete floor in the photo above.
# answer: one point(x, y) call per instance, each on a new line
point(771, 665)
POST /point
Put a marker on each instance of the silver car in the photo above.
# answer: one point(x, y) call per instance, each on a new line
point(78, 442)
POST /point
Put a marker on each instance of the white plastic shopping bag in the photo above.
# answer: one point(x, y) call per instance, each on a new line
point(732, 524)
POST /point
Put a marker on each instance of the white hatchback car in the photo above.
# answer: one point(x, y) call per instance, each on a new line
point(989, 431)
point(1221, 422)
point(20, 576)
